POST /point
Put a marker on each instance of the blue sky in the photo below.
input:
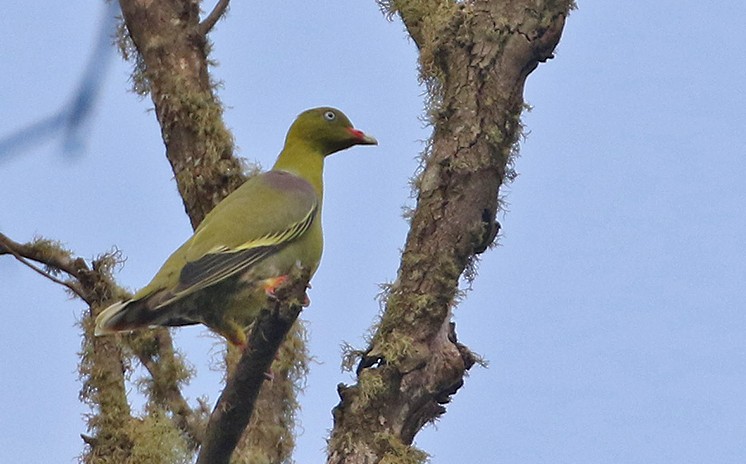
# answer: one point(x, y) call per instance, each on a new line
point(612, 313)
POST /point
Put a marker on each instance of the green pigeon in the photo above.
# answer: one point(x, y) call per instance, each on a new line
point(246, 246)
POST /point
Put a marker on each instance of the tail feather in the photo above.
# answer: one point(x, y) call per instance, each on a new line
point(136, 314)
point(115, 318)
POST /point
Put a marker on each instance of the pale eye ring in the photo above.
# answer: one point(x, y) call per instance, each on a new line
point(330, 116)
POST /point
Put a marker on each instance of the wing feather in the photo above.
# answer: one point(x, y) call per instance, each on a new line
point(224, 262)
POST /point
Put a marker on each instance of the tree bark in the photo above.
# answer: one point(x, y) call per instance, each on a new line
point(169, 46)
point(172, 53)
point(174, 69)
point(474, 58)
point(239, 398)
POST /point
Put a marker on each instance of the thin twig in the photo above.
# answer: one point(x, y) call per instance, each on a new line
point(32, 252)
point(9, 246)
point(209, 22)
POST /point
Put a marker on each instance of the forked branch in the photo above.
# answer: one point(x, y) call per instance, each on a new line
point(53, 257)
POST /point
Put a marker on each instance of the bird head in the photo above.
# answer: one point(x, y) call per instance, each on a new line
point(327, 130)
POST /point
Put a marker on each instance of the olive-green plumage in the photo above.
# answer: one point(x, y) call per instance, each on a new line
point(222, 274)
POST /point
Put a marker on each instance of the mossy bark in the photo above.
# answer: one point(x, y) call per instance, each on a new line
point(170, 48)
point(474, 58)
point(174, 69)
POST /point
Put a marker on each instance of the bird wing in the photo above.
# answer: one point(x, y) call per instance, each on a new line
point(256, 221)
point(225, 262)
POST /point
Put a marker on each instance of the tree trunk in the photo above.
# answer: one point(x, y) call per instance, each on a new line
point(474, 58)
point(171, 50)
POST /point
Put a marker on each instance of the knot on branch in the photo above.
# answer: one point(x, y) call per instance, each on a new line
point(399, 396)
point(488, 229)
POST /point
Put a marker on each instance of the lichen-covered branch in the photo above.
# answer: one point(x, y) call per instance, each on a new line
point(169, 46)
point(105, 362)
point(239, 397)
point(475, 57)
point(102, 368)
point(168, 372)
point(51, 255)
point(422, 18)
point(173, 65)
point(170, 49)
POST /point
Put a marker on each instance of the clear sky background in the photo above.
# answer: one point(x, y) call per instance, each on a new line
point(612, 313)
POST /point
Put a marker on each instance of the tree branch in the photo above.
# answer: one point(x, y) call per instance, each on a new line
point(102, 367)
point(475, 57)
point(175, 66)
point(46, 253)
point(154, 349)
point(237, 401)
point(172, 62)
point(420, 17)
point(209, 22)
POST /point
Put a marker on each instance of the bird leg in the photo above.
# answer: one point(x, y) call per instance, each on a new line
point(235, 336)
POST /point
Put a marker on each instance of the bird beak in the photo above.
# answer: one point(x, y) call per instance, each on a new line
point(361, 138)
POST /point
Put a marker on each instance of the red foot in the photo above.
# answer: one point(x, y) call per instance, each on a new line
point(271, 284)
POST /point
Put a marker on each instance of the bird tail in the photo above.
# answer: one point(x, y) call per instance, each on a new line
point(120, 317)
point(137, 314)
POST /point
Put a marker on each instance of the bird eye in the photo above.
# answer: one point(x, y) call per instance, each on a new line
point(330, 116)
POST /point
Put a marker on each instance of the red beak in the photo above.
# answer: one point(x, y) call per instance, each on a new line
point(361, 138)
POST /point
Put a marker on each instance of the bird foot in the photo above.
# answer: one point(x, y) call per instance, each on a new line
point(273, 283)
